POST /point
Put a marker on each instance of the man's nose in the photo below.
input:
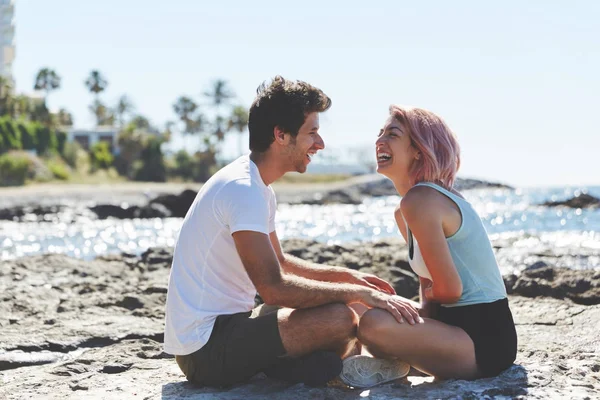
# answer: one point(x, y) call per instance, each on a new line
point(319, 142)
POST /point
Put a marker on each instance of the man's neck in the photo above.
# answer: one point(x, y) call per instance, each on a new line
point(270, 170)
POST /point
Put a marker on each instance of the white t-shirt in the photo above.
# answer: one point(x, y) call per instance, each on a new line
point(207, 276)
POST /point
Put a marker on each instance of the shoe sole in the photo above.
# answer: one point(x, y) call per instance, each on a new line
point(365, 372)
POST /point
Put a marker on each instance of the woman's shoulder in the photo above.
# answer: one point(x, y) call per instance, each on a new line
point(418, 198)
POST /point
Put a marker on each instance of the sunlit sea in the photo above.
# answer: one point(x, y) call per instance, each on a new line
point(506, 213)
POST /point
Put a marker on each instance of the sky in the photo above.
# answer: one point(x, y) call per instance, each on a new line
point(517, 81)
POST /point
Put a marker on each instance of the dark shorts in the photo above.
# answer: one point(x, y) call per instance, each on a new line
point(240, 346)
point(492, 329)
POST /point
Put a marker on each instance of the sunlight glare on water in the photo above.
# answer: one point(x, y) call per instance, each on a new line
point(504, 212)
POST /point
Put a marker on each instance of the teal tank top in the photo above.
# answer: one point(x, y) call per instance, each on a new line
point(471, 252)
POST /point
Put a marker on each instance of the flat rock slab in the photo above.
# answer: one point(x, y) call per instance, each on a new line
point(93, 329)
point(558, 358)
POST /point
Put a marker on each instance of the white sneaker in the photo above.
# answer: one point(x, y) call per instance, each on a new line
point(363, 371)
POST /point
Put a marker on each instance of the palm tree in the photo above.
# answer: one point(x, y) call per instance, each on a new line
point(185, 108)
point(168, 132)
point(124, 106)
point(219, 93)
point(46, 80)
point(104, 116)
point(238, 120)
point(96, 83)
point(64, 118)
point(142, 123)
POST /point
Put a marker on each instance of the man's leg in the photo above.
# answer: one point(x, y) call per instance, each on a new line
point(244, 344)
point(315, 341)
point(329, 327)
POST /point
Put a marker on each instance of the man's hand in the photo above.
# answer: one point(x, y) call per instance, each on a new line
point(370, 281)
point(399, 307)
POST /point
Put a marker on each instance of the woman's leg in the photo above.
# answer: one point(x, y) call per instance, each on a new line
point(433, 347)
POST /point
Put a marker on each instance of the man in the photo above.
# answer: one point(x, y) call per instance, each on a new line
point(228, 251)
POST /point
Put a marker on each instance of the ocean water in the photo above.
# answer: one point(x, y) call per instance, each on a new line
point(513, 215)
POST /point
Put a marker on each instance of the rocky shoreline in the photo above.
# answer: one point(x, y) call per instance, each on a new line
point(174, 200)
point(93, 329)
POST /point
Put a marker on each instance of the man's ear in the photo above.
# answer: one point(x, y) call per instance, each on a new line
point(279, 135)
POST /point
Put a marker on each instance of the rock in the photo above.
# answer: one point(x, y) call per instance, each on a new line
point(164, 206)
point(104, 211)
point(106, 341)
point(553, 360)
point(176, 204)
point(582, 200)
point(539, 279)
point(354, 191)
point(152, 210)
point(29, 212)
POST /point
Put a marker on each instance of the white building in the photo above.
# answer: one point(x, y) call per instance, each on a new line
point(7, 37)
point(89, 137)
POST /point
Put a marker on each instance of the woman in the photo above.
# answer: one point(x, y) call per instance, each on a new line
point(472, 333)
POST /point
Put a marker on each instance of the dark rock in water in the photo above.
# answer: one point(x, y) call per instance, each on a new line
point(581, 286)
point(18, 213)
point(104, 211)
point(335, 197)
point(152, 210)
point(372, 186)
point(467, 184)
point(177, 204)
point(583, 200)
point(164, 206)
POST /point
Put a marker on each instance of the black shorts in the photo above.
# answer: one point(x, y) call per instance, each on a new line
point(240, 346)
point(492, 329)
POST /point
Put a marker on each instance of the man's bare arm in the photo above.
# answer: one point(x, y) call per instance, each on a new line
point(325, 273)
point(278, 287)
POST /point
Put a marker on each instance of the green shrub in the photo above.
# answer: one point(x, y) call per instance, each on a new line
point(14, 168)
point(101, 156)
point(151, 165)
point(61, 141)
point(58, 168)
point(46, 140)
point(28, 138)
point(10, 135)
point(71, 152)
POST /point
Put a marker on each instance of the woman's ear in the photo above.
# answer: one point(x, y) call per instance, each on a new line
point(418, 155)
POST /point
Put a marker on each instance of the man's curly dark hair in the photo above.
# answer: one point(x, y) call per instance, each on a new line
point(285, 104)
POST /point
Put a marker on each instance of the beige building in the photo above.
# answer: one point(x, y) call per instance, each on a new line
point(7, 37)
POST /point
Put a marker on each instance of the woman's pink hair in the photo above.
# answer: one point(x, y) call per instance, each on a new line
point(440, 152)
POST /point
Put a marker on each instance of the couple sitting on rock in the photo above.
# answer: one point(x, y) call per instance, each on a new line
point(319, 322)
